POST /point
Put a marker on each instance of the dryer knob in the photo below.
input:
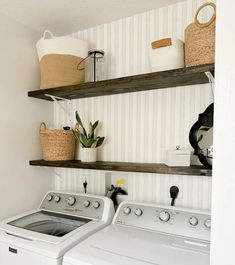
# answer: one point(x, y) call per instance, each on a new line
point(96, 205)
point(71, 201)
point(57, 199)
point(127, 210)
point(138, 212)
point(49, 197)
point(207, 223)
point(86, 203)
point(164, 216)
point(193, 221)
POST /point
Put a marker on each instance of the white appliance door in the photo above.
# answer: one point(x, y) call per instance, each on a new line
point(12, 255)
point(116, 245)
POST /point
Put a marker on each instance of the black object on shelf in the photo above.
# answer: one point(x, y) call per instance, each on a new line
point(201, 136)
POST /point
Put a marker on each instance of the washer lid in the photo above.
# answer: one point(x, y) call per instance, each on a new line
point(117, 245)
point(49, 223)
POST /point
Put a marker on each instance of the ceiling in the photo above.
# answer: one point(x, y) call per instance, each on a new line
point(67, 16)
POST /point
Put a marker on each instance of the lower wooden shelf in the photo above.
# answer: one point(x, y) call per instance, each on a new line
point(127, 167)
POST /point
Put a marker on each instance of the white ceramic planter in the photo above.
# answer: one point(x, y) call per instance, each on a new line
point(88, 154)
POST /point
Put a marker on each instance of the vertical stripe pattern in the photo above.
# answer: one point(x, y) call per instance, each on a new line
point(140, 127)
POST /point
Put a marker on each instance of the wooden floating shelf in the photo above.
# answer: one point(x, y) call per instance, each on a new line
point(180, 77)
point(127, 167)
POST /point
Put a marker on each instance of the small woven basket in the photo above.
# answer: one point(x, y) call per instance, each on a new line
point(57, 145)
point(200, 40)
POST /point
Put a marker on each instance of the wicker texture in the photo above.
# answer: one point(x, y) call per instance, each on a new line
point(60, 70)
point(57, 145)
point(200, 40)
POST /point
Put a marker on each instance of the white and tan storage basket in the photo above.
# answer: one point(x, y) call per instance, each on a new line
point(57, 145)
point(200, 40)
point(167, 54)
point(59, 58)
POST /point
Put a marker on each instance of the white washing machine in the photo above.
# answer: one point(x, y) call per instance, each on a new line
point(143, 234)
point(43, 236)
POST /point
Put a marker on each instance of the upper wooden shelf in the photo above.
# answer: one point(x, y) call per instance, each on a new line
point(180, 77)
point(127, 167)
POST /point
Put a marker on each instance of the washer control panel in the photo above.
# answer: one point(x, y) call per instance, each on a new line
point(80, 205)
point(173, 220)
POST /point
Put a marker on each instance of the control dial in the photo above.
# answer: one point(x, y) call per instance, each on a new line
point(127, 210)
point(164, 216)
point(138, 212)
point(207, 223)
point(96, 204)
point(71, 201)
point(86, 203)
point(49, 197)
point(193, 221)
point(57, 199)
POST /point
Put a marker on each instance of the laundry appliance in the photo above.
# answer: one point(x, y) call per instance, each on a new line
point(42, 237)
point(144, 234)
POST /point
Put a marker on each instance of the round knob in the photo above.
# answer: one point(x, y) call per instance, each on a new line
point(71, 201)
point(96, 205)
point(207, 223)
point(127, 210)
point(193, 221)
point(57, 199)
point(138, 212)
point(164, 216)
point(49, 197)
point(86, 203)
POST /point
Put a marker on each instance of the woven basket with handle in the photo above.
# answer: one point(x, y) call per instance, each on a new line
point(57, 145)
point(200, 40)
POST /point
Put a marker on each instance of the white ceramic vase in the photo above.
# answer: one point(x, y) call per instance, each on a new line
point(88, 154)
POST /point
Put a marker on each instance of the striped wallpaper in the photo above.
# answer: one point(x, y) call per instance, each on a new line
point(140, 127)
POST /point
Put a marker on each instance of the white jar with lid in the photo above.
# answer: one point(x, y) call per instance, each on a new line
point(178, 157)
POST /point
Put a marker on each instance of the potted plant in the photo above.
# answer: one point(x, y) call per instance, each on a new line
point(89, 142)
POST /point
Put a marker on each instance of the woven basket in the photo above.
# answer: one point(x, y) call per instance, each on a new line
point(200, 40)
point(59, 57)
point(57, 145)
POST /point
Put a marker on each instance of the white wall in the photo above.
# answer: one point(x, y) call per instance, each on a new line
point(21, 186)
point(223, 214)
point(141, 126)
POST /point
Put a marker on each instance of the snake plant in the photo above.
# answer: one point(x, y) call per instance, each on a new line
point(87, 139)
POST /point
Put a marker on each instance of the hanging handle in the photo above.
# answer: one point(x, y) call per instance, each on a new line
point(42, 127)
point(207, 24)
point(47, 35)
point(82, 61)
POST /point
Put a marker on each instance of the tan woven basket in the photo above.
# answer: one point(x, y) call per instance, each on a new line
point(200, 40)
point(57, 145)
point(59, 70)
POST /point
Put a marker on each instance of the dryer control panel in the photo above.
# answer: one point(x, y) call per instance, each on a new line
point(172, 220)
point(74, 204)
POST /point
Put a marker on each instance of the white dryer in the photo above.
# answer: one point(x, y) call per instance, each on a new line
point(144, 234)
point(42, 237)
